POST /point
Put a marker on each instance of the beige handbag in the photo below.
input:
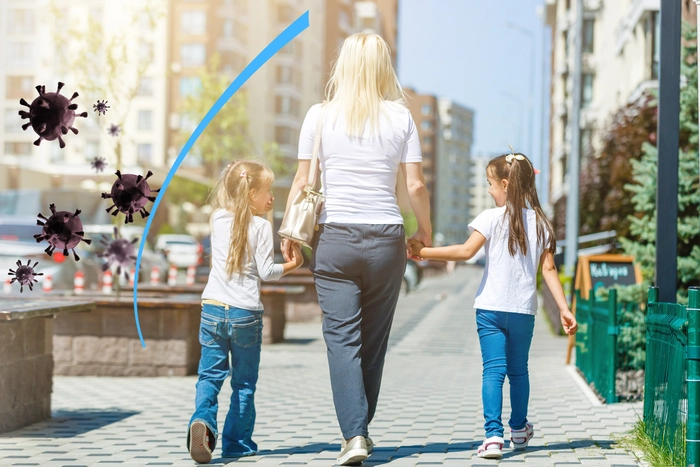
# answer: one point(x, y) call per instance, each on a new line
point(301, 219)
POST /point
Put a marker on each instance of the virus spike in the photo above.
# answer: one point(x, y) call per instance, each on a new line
point(77, 212)
point(50, 249)
point(19, 263)
point(23, 102)
point(75, 255)
point(26, 125)
point(115, 212)
point(64, 130)
point(60, 86)
point(53, 208)
point(84, 114)
point(42, 217)
point(65, 252)
point(149, 174)
point(73, 106)
point(139, 178)
point(41, 89)
point(61, 143)
point(144, 213)
point(37, 142)
point(118, 173)
point(24, 114)
point(86, 240)
point(151, 198)
point(75, 94)
point(74, 130)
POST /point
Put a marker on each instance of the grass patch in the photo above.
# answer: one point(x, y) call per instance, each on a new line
point(658, 456)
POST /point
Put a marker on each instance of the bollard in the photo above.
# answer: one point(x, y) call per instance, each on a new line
point(191, 272)
point(7, 288)
point(692, 355)
point(155, 275)
point(172, 275)
point(107, 282)
point(78, 282)
point(47, 285)
point(613, 331)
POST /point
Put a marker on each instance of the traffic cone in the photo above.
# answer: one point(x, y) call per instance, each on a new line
point(107, 282)
point(172, 275)
point(78, 282)
point(7, 288)
point(155, 275)
point(47, 285)
point(132, 273)
point(191, 271)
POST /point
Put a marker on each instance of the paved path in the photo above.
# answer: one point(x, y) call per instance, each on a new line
point(429, 411)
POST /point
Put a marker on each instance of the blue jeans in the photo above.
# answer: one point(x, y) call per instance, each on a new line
point(227, 330)
point(505, 343)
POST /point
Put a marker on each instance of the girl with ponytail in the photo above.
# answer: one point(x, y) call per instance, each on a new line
point(517, 238)
point(231, 321)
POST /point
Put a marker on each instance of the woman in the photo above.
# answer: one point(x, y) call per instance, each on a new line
point(359, 255)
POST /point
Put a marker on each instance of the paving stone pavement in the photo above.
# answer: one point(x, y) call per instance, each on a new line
point(429, 410)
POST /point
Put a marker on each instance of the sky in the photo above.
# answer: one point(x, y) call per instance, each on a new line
point(465, 51)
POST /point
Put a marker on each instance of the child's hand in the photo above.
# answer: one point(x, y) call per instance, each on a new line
point(297, 257)
point(569, 322)
point(415, 247)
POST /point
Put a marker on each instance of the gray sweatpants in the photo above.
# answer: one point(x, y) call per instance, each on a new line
point(358, 269)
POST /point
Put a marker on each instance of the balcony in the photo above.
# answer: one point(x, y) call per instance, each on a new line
point(627, 24)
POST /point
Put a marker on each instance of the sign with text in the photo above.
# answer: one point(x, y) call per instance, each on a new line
point(605, 271)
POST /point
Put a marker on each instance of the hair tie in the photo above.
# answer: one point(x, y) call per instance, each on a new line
point(243, 174)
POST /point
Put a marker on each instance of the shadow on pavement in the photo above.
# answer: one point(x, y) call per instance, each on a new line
point(69, 423)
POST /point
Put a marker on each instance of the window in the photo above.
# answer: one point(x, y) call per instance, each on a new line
point(426, 125)
point(287, 75)
point(285, 135)
point(654, 27)
point(13, 122)
point(228, 28)
point(286, 105)
point(586, 144)
point(92, 149)
point(21, 21)
point(587, 90)
point(285, 13)
point(19, 87)
point(20, 54)
point(145, 120)
point(564, 124)
point(190, 85)
point(426, 109)
point(588, 35)
point(146, 87)
point(193, 54)
point(232, 61)
point(18, 149)
point(293, 48)
point(193, 22)
point(144, 152)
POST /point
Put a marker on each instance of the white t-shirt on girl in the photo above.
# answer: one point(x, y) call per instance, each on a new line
point(241, 290)
point(509, 282)
point(359, 174)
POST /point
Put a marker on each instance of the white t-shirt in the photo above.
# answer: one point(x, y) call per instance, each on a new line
point(359, 174)
point(241, 290)
point(509, 282)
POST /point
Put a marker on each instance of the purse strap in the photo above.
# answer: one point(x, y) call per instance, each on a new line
point(315, 165)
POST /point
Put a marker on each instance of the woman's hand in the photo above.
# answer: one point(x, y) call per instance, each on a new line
point(568, 321)
point(414, 247)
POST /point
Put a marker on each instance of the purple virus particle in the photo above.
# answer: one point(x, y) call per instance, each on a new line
point(99, 164)
point(119, 251)
point(130, 193)
point(63, 230)
point(101, 107)
point(51, 115)
point(114, 130)
point(25, 275)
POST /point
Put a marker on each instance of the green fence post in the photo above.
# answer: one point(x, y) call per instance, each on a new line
point(611, 396)
point(692, 439)
point(652, 299)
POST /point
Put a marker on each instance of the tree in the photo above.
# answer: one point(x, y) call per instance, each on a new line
point(642, 238)
point(106, 66)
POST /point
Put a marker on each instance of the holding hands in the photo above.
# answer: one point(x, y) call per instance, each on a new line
point(414, 247)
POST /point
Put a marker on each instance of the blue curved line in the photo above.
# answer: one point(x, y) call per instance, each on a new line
point(280, 41)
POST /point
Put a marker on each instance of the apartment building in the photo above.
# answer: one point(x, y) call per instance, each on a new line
point(27, 61)
point(424, 111)
point(619, 64)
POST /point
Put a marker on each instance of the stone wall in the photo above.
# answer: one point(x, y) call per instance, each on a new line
point(25, 385)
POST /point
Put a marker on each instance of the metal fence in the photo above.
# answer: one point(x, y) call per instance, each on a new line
point(672, 379)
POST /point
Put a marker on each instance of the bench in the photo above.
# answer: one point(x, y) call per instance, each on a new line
point(26, 346)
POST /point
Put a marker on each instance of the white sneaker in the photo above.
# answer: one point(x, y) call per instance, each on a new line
point(368, 440)
point(491, 448)
point(354, 451)
point(520, 438)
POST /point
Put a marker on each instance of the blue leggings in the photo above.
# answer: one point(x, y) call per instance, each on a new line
point(505, 344)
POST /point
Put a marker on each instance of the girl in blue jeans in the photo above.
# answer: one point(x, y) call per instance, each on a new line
point(231, 322)
point(517, 238)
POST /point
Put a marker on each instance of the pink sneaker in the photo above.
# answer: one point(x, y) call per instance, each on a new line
point(520, 438)
point(491, 448)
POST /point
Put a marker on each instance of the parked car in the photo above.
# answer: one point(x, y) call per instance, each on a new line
point(181, 250)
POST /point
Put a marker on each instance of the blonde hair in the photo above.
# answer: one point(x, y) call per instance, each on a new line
point(361, 80)
point(232, 193)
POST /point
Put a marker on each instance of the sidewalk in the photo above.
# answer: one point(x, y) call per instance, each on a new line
point(429, 410)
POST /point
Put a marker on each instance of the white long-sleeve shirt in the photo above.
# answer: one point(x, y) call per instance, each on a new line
point(240, 290)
